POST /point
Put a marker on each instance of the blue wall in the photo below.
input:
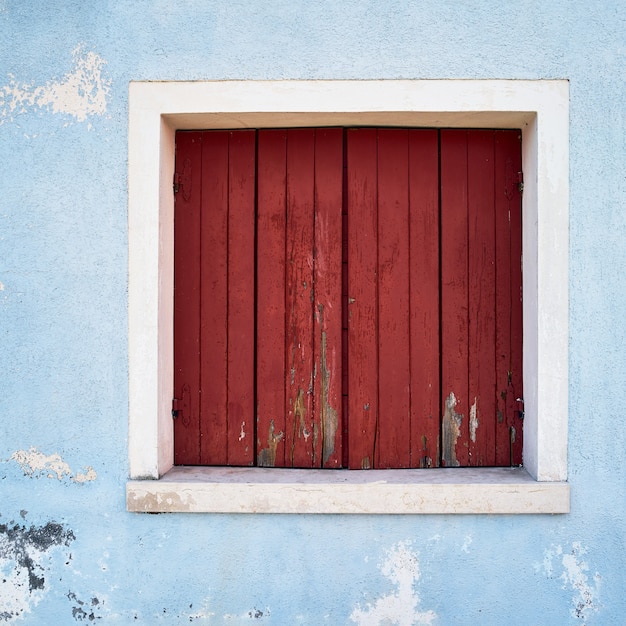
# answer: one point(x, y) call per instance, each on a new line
point(68, 549)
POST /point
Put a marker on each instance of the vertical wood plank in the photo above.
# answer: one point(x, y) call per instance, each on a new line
point(362, 191)
point(328, 314)
point(509, 302)
point(454, 299)
point(241, 231)
point(424, 296)
point(394, 435)
point(270, 296)
point(299, 298)
point(214, 298)
point(482, 388)
point(187, 298)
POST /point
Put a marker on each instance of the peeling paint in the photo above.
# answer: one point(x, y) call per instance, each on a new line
point(585, 599)
point(242, 432)
point(37, 464)
point(401, 607)
point(473, 420)
point(450, 432)
point(267, 456)
point(22, 554)
point(81, 93)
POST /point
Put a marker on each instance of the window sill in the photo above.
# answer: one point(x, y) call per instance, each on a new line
point(399, 492)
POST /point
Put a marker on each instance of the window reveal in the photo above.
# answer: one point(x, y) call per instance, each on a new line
point(361, 288)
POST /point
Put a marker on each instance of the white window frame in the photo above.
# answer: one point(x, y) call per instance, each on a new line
point(158, 109)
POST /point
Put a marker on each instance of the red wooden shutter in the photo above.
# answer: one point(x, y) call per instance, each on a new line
point(214, 298)
point(348, 305)
point(481, 315)
point(393, 289)
point(299, 297)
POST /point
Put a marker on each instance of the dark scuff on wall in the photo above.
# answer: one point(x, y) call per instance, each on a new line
point(24, 546)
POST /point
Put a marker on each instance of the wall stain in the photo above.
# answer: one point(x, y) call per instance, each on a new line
point(22, 548)
point(85, 611)
point(267, 456)
point(450, 432)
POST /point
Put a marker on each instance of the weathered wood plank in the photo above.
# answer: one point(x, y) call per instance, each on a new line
point(394, 435)
point(241, 297)
point(509, 301)
point(299, 298)
point(424, 296)
point(187, 298)
point(454, 298)
point(482, 305)
point(328, 314)
point(362, 297)
point(270, 293)
point(214, 298)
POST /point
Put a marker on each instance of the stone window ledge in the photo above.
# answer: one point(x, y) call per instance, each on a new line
point(401, 492)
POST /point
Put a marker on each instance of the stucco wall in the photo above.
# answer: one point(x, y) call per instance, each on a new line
point(69, 551)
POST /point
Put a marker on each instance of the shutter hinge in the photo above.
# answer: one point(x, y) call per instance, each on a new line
point(520, 182)
point(174, 408)
point(177, 182)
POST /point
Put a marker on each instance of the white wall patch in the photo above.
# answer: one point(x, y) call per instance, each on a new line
point(81, 93)
point(585, 599)
point(36, 464)
point(400, 608)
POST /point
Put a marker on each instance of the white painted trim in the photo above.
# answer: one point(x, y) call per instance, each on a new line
point(539, 108)
point(392, 492)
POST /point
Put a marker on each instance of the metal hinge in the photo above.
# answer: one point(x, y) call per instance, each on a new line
point(174, 406)
point(177, 182)
point(520, 182)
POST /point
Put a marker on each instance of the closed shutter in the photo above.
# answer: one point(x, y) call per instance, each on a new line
point(348, 298)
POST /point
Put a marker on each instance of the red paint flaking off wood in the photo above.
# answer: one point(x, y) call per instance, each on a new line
point(454, 288)
point(424, 296)
point(394, 436)
point(214, 298)
point(300, 434)
point(362, 297)
point(241, 219)
point(270, 345)
point(187, 301)
point(328, 295)
point(482, 388)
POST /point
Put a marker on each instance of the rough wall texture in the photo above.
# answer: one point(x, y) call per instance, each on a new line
point(68, 549)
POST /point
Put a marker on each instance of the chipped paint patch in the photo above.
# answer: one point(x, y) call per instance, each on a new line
point(267, 456)
point(81, 93)
point(450, 432)
point(242, 432)
point(473, 420)
point(23, 552)
point(329, 419)
point(37, 464)
point(586, 596)
point(401, 567)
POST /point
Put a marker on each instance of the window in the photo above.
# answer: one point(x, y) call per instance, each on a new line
point(348, 272)
point(539, 108)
